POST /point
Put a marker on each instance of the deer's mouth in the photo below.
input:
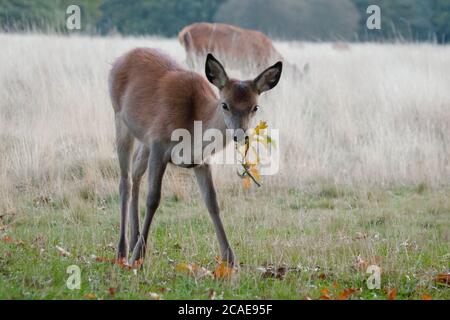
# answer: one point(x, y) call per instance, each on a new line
point(240, 136)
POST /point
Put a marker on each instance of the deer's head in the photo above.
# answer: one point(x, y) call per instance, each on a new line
point(239, 99)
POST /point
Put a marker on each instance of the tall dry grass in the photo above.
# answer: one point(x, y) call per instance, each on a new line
point(372, 115)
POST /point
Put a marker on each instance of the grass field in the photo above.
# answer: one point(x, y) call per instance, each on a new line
point(364, 180)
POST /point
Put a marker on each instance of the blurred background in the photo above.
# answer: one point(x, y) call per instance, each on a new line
point(309, 20)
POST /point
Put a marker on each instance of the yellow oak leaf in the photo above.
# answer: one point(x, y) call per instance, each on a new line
point(261, 126)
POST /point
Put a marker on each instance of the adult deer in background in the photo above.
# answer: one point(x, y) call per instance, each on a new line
point(152, 96)
point(240, 47)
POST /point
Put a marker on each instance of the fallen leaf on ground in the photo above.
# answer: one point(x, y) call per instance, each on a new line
point(325, 294)
point(187, 268)
point(121, 262)
point(7, 239)
point(164, 290)
point(192, 270)
point(392, 294)
point(89, 296)
point(223, 271)
point(154, 296)
point(346, 294)
point(322, 276)
point(10, 240)
point(112, 291)
point(443, 278)
point(63, 252)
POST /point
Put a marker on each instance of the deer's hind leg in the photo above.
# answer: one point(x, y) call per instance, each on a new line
point(140, 164)
point(125, 143)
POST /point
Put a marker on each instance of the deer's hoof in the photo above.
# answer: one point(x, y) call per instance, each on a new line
point(122, 250)
point(229, 258)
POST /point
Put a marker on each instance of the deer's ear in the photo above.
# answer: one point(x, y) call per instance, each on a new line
point(269, 78)
point(215, 72)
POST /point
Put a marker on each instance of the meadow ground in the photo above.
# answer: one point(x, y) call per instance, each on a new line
point(364, 180)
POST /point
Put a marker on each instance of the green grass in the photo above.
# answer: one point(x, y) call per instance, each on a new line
point(317, 234)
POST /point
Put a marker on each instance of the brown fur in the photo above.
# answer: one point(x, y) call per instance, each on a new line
point(236, 45)
point(152, 96)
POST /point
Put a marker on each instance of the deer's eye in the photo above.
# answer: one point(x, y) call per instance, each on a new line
point(255, 108)
point(225, 107)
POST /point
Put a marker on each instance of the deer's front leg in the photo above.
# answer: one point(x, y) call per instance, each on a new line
point(140, 163)
point(157, 166)
point(205, 182)
point(125, 142)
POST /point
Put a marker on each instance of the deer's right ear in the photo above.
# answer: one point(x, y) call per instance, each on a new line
point(215, 72)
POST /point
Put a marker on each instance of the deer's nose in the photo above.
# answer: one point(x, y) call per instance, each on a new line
point(240, 135)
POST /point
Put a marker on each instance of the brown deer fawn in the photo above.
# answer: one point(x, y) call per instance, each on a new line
point(152, 96)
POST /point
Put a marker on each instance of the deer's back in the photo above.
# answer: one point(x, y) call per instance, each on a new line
point(230, 42)
point(154, 95)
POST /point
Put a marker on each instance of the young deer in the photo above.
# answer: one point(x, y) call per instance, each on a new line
point(152, 96)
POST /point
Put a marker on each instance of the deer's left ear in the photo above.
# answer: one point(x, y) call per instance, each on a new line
point(269, 78)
